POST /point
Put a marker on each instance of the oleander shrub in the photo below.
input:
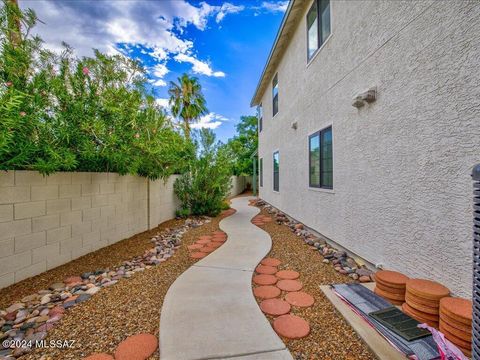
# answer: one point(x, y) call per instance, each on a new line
point(62, 113)
point(203, 188)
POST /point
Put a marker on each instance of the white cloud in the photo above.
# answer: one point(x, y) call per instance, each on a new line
point(209, 121)
point(162, 102)
point(280, 6)
point(155, 26)
point(158, 82)
point(228, 8)
point(199, 67)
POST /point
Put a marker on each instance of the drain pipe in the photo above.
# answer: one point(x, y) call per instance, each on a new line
point(476, 264)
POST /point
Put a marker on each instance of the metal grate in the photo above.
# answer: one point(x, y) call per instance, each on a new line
point(400, 323)
point(476, 264)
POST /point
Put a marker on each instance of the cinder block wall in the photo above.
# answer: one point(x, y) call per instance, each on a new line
point(46, 221)
point(163, 201)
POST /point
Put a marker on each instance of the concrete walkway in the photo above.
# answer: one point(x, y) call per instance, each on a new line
point(210, 312)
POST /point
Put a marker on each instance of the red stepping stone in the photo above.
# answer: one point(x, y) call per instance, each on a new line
point(218, 240)
point(218, 232)
point(214, 245)
point(136, 347)
point(198, 255)
point(269, 270)
point(264, 279)
point(266, 292)
point(289, 285)
point(427, 289)
point(101, 356)
point(195, 246)
point(271, 262)
point(275, 307)
point(291, 326)
point(203, 242)
point(207, 250)
point(205, 237)
point(72, 280)
point(300, 298)
point(287, 275)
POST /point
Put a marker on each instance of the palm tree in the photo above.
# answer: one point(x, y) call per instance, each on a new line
point(187, 101)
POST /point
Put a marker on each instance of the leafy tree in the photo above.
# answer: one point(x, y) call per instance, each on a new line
point(187, 101)
point(244, 144)
point(91, 114)
point(206, 184)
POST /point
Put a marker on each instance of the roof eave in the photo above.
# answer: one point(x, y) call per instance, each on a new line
point(255, 100)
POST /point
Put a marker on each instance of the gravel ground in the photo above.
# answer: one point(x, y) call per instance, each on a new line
point(107, 257)
point(129, 307)
point(330, 337)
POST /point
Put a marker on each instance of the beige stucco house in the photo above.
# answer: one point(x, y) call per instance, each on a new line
point(371, 126)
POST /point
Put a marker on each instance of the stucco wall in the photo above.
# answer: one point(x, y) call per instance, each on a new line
point(402, 190)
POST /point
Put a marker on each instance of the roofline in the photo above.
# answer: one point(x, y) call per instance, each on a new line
point(279, 34)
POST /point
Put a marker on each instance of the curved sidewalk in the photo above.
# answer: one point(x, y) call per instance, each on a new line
point(210, 312)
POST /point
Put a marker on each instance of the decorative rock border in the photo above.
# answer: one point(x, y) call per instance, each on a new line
point(32, 317)
point(338, 258)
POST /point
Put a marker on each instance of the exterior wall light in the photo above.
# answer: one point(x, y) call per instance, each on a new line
point(368, 96)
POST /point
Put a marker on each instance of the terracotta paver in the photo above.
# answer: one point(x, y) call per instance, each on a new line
point(391, 278)
point(300, 298)
point(99, 356)
point(419, 318)
point(205, 237)
point(136, 347)
point(456, 324)
point(219, 232)
point(271, 262)
point(457, 308)
point(266, 292)
point(454, 339)
point(427, 289)
point(264, 279)
point(409, 297)
point(198, 255)
point(214, 245)
point(195, 246)
point(268, 270)
point(289, 285)
point(219, 240)
point(464, 335)
point(291, 326)
point(287, 275)
point(275, 307)
point(389, 289)
point(207, 250)
point(384, 294)
point(424, 308)
point(203, 242)
point(410, 309)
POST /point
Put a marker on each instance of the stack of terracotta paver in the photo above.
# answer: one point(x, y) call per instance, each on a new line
point(423, 300)
point(456, 322)
point(391, 286)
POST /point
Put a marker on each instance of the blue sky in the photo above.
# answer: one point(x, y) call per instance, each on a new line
point(224, 43)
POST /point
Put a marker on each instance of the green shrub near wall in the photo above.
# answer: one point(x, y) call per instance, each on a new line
point(61, 113)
